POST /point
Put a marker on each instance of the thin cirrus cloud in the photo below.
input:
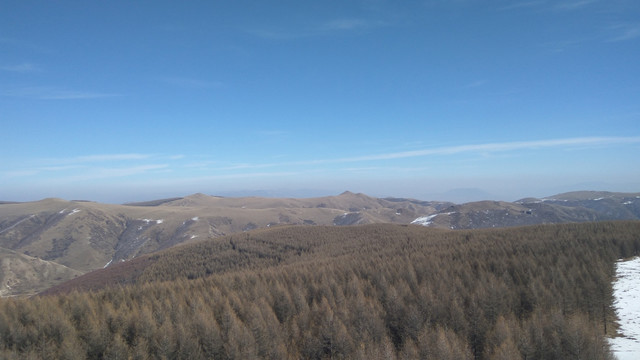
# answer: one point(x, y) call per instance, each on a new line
point(334, 26)
point(625, 32)
point(574, 5)
point(92, 164)
point(523, 5)
point(98, 158)
point(101, 173)
point(86, 172)
point(21, 68)
point(90, 167)
point(484, 149)
point(566, 5)
point(105, 173)
point(54, 93)
point(501, 147)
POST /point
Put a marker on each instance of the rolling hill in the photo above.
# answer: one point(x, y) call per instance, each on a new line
point(86, 236)
point(563, 208)
point(83, 236)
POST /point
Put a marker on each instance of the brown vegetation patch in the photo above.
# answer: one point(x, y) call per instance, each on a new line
point(364, 292)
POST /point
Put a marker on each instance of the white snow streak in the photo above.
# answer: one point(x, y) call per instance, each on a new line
point(73, 212)
point(626, 290)
point(427, 220)
point(16, 224)
point(424, 220)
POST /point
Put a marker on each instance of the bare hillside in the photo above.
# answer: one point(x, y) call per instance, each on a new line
point(563, 208)
point(24, 275)
point(86, 236)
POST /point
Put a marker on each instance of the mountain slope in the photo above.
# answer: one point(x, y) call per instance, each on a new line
point(568, 207)
point(263, 249)
point(405, 292)
point(23, 275)
point(87, 236)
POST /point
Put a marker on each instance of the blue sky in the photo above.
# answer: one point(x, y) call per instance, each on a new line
point(120, 101)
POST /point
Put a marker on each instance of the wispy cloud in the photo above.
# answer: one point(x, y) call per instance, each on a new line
point(106, 166)
point(330, 27)
point(499, 147)
point(21, 68)
point(53, 93)
point(523, 5)
point(625, 32)
point(75, 164)
point(108, 157)
point(26, 45)
point(565, 5)
point(89, 167)
point(478, 149)
point(117, 172)
point(20, 173)
point(574, 4)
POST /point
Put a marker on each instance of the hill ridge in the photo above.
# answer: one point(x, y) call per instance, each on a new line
point(86, 236)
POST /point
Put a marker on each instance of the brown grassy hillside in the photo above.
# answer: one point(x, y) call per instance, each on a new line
point(26, 275)
point(86, 236)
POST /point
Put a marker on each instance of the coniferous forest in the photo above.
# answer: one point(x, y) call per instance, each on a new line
point(364, 292)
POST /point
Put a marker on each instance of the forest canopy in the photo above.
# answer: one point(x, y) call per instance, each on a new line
point(365, 292)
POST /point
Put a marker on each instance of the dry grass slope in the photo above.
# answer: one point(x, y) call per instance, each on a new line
point(25, 275)
point(86, 236)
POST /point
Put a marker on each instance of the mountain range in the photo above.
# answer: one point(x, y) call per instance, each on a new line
point(47, 242)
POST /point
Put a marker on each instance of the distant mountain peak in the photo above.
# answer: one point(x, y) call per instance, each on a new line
point(198, 196)
point(357, 195)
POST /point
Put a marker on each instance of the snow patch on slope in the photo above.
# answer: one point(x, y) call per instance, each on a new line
point(424, 220)
point(160, 221)
point(626, 291)
point(73, 212)
point(428, 220)
point(16, 224)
